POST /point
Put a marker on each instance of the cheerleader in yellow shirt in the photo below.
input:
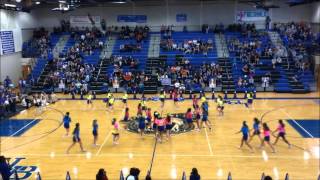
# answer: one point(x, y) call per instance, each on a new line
point(220, 106)
point(111, 102)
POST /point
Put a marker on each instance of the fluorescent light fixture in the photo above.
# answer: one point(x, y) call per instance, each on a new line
point(38, 2)
point(119, 2)
point(10, 5)
point(61, 8)
point(62, 1)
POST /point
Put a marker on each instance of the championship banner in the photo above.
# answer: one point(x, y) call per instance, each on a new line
point(251, 16)
point(85, 20)
point(181, 17)
point(132, 18)
point(7, 42)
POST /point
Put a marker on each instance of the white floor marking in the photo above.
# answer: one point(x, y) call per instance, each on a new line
point(208, 141)
point(296, 123)
point(104, 142)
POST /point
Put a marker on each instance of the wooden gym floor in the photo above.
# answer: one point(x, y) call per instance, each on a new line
point(214, 153)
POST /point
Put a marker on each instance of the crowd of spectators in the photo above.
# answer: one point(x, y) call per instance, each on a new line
point(245, 29)
point(39, 45)
point(68, 72)
point(188, 46)
point(13, 99)
point(88, 40)
point(185, 76)
point(138, 33)
point(300, 40)
point(121, 61)
point(8, 98)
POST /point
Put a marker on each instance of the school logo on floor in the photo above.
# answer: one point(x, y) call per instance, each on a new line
point(23, 172)
point(179, 125)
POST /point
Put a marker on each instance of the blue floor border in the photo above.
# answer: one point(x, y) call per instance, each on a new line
point(307, 128)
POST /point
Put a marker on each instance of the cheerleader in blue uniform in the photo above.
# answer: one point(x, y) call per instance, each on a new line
point(245, 135)
point(76, 138)
point(141, 124)
point(66, 123)
point(256, 129)
point(95, 132)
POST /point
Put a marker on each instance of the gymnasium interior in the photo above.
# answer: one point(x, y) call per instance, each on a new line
point(160, 89)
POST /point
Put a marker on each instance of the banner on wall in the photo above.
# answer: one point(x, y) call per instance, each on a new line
point(7, 42)
point(181, 17)
point(251, 16)
point(85, 19)
point(132, 18)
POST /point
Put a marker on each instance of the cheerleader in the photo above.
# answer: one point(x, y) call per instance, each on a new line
point(281, 133)
point(143, 103)
point(245, 135)
point(161, 125)
point(266, 139)
point(89, 99)
point(125, 99)
point(195, 101)
point(108, 97)
point(95, 132)
point(139, 110)
point(256, 129)
point(220, 106)
point(188, 117)
point(162, 98)
point(249, 100)
point(66, 123)
point(154, 124)
point(205, 114)
point(126, 115)
point(197, 115)
point(141, 124)
point(115, 131)
point(203, 98)
point(175, 97)
point(76, 138)
point(149, 117)
point(168, 122)
point(111, 102)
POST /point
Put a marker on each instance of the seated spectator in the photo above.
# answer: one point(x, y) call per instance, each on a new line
point(194, 174)
point(4, 168)
point(101, 175)
point(130, 47)
point(133, 174)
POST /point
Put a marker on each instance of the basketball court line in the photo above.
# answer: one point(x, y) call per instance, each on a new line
point(8, 137)
point(276, 156)
point(208, 141)
point(290, 117)
point(104, 142)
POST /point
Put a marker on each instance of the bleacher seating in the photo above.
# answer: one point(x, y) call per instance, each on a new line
point(195, 59)
point(284, 79)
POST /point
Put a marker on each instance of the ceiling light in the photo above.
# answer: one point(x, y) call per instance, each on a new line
point(38, 2)
point(119, 2)
point(10, 5)
point(18, 1)
point(61, 1)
